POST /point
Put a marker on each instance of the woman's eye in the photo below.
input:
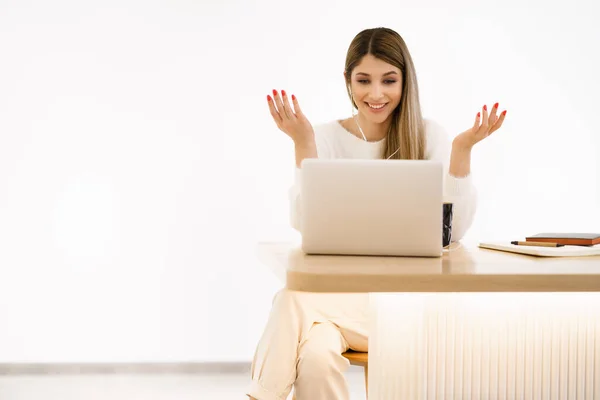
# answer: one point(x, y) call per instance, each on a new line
point(387, 81)
point(366, 81)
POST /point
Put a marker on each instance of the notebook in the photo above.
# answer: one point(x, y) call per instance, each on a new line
point(566, 251)
point(579, 239)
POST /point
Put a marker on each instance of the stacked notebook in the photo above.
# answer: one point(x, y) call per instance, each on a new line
point(575, 245)
point(576, 239)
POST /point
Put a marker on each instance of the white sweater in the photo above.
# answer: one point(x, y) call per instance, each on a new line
point(334, 141)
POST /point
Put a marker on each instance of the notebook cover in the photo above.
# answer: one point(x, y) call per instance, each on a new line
point(581, 239)
point(566, 251)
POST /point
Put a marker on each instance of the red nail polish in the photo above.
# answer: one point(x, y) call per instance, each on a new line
point(485, 107)
point(478, 115)
point(496, 105)
point(269, 98)
point(293, 97)
point(283, 92)
point(504, 112)
point(274, 92)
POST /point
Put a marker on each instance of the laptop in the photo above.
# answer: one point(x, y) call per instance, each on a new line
point(372, 207)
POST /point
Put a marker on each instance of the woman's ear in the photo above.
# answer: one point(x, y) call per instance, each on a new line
point(347, 84)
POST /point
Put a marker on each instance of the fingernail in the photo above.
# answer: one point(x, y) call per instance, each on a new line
point(485, 107)
point(478, 115)
point(274, 92)
point(496, 105)
point(504, 112)
point(283, 92)
point(293, 97)
point(269, 98)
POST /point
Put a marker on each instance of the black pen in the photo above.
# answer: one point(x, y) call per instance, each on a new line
point(542, 244)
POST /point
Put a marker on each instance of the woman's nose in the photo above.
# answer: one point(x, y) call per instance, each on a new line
point(376, 92)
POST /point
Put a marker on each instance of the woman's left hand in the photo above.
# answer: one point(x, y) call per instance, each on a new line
point(482, 128)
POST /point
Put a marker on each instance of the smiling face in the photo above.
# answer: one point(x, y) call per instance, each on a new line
point(376, 88)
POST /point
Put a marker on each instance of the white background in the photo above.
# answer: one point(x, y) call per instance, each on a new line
point(139, 166)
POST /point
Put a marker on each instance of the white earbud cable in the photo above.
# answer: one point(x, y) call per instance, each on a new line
point(361, 131)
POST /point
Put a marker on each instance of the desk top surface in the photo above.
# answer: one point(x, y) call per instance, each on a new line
point(464, 269)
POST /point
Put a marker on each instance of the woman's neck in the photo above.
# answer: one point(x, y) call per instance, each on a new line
point(373, 131)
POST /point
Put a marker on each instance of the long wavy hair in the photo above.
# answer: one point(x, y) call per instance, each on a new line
point(407, 129)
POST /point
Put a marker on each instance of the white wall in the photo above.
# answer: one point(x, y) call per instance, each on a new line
point(139, 166)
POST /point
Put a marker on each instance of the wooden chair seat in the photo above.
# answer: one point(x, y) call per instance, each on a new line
point(357, 358)
point(362, 360)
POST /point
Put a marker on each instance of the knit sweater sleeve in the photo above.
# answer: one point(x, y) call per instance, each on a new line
point(323, 151)
point(457, 190)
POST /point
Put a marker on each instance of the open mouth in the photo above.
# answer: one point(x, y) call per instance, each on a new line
point(376, 107)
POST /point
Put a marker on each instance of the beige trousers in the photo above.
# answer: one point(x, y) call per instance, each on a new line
point(306, 334)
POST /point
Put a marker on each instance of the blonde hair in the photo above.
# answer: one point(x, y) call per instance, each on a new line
point(407, 129)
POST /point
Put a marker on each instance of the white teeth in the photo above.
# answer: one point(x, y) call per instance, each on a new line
point(376, 107)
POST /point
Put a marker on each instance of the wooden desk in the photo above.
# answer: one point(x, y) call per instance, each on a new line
point(461, 270)
point(475, 323)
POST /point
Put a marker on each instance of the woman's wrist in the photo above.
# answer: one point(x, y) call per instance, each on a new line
point(304, 149)
point(460, 160)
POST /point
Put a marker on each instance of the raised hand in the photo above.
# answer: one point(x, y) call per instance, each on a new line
point(482, 128)
point(291, 120)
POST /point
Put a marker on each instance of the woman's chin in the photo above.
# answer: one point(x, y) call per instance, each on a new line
point(376, 119)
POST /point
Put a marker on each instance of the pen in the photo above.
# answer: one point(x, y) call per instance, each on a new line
point(542, 244)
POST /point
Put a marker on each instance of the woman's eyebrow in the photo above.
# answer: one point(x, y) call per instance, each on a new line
point(386, 74)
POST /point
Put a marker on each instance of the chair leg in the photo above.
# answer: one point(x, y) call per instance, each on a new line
point(367, 380)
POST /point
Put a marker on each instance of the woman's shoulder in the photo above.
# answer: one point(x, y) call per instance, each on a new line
point(437, 139)
point(328, 131)
point(434, 129)
point(435, 132)
point(327, 127)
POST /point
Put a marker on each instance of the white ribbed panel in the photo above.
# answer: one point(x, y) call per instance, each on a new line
point(496, 346)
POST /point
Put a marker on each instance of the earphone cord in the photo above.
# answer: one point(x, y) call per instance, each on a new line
point(365, 138)
point(397, 150)
point(359, 128)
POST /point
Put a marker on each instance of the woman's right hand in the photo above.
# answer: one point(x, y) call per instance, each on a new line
point(291, 121)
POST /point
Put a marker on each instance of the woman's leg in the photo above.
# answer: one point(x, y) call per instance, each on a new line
point(305, 333)
point(321, 367)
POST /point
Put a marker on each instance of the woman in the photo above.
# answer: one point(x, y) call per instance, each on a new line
point(307, 332)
